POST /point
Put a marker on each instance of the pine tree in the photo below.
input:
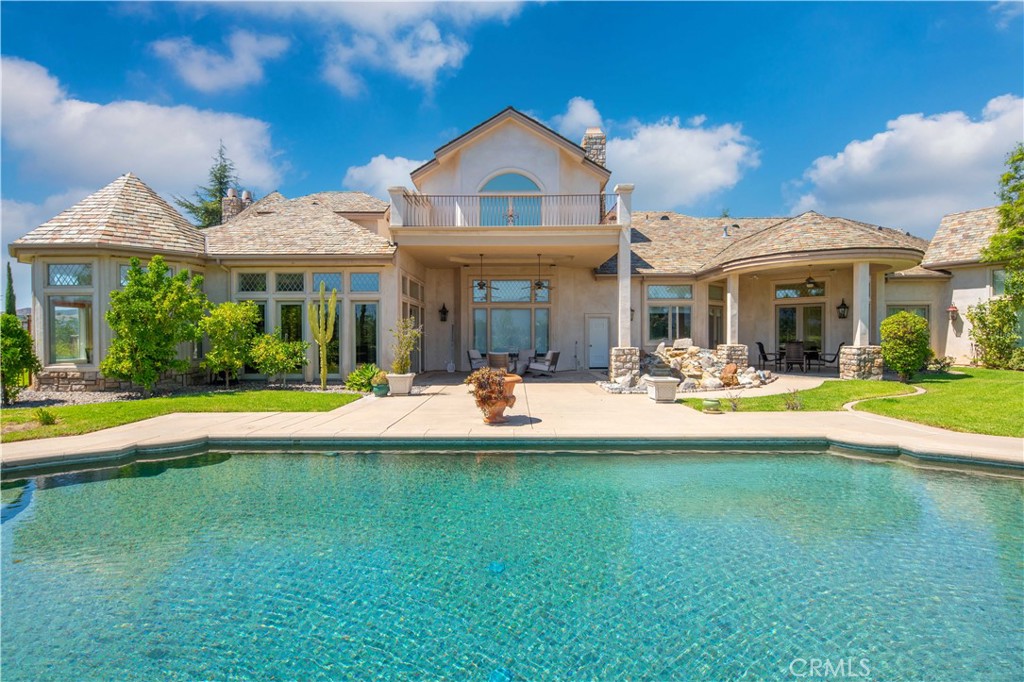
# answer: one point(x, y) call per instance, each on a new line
point(10, 302)
point(205, 209)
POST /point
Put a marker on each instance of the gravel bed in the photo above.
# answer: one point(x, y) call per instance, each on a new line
point(30, 398)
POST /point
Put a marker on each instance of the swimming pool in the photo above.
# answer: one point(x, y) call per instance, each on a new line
point(497, 566)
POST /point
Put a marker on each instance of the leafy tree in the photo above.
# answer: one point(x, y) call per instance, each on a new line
point(151, 316)
point(406, 335)
point(205, 207)
point(994, 331)
point(10, 301)
point(1007, 244)
point(905, 344)
point(272, 355)
point(231, 328)
point(16, 357)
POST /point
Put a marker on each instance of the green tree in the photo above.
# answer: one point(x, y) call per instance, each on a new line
point(231, 328)
point(205, 206)
point(994, 331)
point(272, 355)
point(151, 316)
point(1007, 244)
point(17, 357)
point(406, 335)
point(905, 344)
point(10, 301)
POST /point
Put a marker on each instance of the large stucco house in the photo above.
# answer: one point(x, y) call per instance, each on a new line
point(510, 239)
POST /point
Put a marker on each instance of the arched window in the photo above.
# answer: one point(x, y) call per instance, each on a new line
point(505, 203)
point(510, 183)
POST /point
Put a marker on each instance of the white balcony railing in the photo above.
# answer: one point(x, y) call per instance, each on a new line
point(505, 210)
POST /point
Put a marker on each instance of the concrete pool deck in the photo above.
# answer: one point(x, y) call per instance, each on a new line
point(547, 410)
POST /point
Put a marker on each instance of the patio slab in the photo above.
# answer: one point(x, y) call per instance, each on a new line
point(546, 410)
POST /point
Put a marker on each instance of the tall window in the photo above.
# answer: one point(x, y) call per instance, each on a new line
point(512, 319)
point(364, 318)
point(70, 319)
point(515, 206)
point(669, 312)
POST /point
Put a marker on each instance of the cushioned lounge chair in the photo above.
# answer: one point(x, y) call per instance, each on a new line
point(544, 365)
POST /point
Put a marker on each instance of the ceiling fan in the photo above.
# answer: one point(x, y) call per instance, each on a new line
point(481, 284)
point(541, 284)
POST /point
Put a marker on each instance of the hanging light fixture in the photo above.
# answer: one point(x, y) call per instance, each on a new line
point(811, 284)
point(481, 284)
point(539, 284)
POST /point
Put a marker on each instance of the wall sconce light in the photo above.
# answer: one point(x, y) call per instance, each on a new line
point(632, 314)
point(953, 311)
point(842, 310)
point(443, 313)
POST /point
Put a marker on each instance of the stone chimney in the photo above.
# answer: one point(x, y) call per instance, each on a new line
point(593, 144)
point(230, 206)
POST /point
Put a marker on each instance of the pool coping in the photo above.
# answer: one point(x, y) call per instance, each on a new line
point(46, 464)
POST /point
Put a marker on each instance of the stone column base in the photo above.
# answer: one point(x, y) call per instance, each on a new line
point(623, 361)
point(737, 353)
point(861, 362)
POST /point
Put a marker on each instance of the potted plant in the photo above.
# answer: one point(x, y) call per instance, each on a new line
point(379, 384)
point(493, 392)
point(406, 334)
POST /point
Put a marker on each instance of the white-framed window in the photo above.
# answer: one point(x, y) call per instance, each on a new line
point(70, 298)
point(799, 290)
point(251, 282)
point(998, 281)
point(669, 312)
point(921, 310)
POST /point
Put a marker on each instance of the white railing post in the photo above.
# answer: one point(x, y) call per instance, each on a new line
point(623, 214)
point(398, 206)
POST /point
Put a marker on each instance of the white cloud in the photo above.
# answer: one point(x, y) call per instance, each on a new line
point(415, 40)
point(209, 71)
point(675, 165)
point(18, 218)
point(1006, 11)
point(919, 169)
point(70, 142)
point(379, 174)
point(579, 115)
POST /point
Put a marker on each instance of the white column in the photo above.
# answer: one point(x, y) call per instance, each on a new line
point(624, 212)
point(397, 206)
point(732, 309)
point(861, 307)
point(879, 306)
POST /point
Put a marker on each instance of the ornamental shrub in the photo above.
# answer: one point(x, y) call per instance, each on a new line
point(17, 357)
point(231, 328)
point(905, 348)
point(406, 335)
point(361, 378)
point(994, 331)
point(272, 355)
point(151, 317)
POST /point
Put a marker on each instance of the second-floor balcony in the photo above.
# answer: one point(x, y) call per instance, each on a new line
point(501, 210)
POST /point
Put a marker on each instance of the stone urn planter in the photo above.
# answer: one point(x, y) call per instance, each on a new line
point(401, 384)
point(661, 389)
point(493, 392)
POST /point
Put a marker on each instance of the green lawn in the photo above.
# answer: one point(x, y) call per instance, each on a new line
point(828, 397)
point(75, 419)
point(988, 401)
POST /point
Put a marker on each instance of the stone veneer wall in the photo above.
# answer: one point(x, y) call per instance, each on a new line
point(624, 361)
point(860, 362)
point(737, 353)
point(92, 380)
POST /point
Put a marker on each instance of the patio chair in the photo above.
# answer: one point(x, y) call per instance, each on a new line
point(498, 360)
point(476, 361)
point(795, 355)
point(525, 358)
point(822, 359)
point(545, 365)
point(764, 358)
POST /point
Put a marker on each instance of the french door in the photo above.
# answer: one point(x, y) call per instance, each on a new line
point(800, 323)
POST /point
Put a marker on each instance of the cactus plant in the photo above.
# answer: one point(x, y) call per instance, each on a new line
point(321, 319)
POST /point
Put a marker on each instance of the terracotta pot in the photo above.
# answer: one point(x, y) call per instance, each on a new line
point(496, 410)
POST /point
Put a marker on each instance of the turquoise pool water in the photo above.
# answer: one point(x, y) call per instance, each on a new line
point(503, 567)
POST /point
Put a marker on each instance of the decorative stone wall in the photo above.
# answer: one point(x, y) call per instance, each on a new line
point(861, 362)
point(625, 361)
point(733, 353)
point(79, 380)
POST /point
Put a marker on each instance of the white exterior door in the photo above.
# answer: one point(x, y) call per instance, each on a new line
point(598, 335)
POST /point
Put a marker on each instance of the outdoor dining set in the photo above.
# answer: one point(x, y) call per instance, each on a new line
point(794, 354)
point(515, 361)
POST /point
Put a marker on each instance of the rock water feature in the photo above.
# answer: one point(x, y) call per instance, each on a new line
point(696, 369)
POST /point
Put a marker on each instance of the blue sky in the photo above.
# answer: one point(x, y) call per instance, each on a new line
point(893, 113)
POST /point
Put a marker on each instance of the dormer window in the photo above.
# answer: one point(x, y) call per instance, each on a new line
point(508, 201)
